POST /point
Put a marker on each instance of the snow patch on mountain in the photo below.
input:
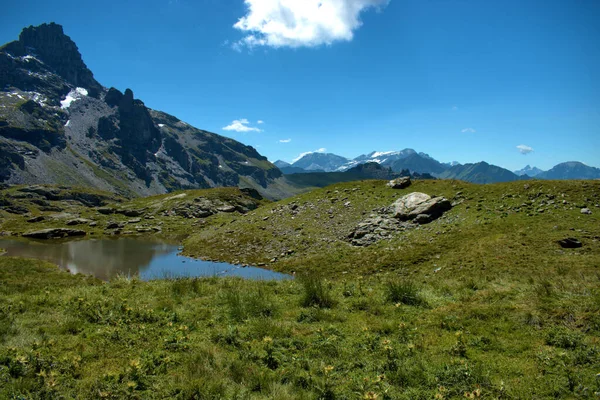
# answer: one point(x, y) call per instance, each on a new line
point(73, 95)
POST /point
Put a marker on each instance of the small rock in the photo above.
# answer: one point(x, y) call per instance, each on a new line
point(226, 208)
point(569, 243)
point(586, 211)
point(422, 219)
point(106, 210)
point(54, 233)
point(114, 225)
point(78, 221)
point(132, 213)
point(400, 183)
point(36, 219)
point(134, 221)
point(16, 210)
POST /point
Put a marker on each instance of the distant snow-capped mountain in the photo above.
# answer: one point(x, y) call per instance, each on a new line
point(379, 157)
point(422, 163)
point(320, 162)
point(396, 160)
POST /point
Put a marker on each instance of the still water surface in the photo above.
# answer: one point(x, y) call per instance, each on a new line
point(107, 258)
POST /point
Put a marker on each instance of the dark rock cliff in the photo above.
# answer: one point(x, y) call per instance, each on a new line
point(49, 44)
point(59, 125)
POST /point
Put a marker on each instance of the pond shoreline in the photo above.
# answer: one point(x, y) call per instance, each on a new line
point(149, 259)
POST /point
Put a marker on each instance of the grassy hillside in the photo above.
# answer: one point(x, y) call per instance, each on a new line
point(482, 303)
point(166, 215)
point(499, 225)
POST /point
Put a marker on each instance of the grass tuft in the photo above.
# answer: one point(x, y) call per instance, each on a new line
point(404, 292)
point(317, 293)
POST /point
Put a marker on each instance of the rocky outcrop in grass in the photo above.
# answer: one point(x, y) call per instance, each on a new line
point(405, 213)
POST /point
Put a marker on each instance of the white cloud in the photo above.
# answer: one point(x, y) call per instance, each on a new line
point(524, 149)
point(285, 140)
point(260, 121)
point(299, 23)
point(241, 125)
point(321, 150)
point(468, 130)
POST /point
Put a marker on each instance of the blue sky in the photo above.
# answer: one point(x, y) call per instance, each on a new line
point(463, 80)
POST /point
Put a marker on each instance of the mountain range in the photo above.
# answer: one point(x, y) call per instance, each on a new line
point(422, 163)
point(59, 125)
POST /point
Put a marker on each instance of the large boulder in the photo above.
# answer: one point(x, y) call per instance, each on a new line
point(408, 212)
point(54, 233)
point(415, 204)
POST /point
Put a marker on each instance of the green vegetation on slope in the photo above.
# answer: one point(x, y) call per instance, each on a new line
point(481, 303)
point(498, 227)
point(56, 206)
point(488, 336)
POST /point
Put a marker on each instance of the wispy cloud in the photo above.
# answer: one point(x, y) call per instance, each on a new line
point(301, 23)
point(454, 108)
point(524, 149)
point(285, 140)
point(468, 130)
point(241, 125)
point(260, 121)
point(321, 150)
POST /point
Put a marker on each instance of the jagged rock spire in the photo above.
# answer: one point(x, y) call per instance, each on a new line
point(50, 45)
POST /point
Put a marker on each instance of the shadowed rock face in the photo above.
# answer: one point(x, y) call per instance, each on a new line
point(136, 136)
point(49, 44)
point(54, 233)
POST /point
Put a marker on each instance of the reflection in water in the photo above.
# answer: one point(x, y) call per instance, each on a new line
point(106, 258)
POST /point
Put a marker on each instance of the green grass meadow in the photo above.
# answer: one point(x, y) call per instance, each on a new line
point(481, 303)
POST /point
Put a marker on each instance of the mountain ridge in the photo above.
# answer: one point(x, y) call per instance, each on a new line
point(529, 171)
point(59, 125)
point(422, 163)
point(571, 170)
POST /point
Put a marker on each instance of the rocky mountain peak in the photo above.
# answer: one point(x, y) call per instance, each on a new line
point(49, 44)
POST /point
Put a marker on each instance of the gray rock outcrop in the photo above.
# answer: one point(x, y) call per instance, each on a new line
point(414, 204)
point(400, 183)
point(406, 213)
point(54, 233)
